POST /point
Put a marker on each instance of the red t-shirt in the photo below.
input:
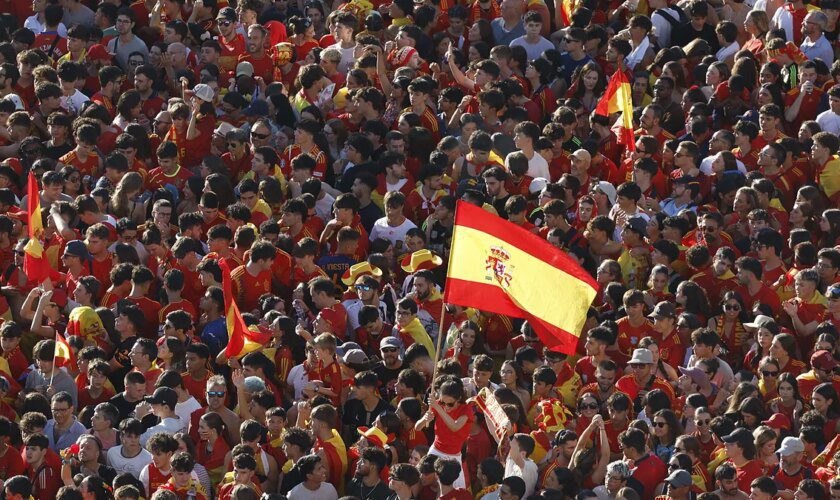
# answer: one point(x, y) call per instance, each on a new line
point(629, 336)
point(747, 473)
point(649, 471)
point(248, 288)
point(449, 441)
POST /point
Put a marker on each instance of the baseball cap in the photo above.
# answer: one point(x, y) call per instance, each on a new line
point(392, 342)
point(791, 445)
point(244, 68)
point(739, 436)
point(823, 360)
point(664, 310)
point(59, 298)
point(98, 52)
point(163, 396)
point(679, 479)
point(608, 189)
point(778, 421)
point(642, 357)
point(637, 225)
point(77, 248)
point(697, 375)
point(204, 92)
point(228, 13)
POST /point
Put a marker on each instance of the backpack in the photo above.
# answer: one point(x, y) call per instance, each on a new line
point(675, 23)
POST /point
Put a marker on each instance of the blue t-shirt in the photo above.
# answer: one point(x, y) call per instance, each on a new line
point(569, 65)
point(215, 335)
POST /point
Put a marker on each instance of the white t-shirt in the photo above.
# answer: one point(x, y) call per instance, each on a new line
point(325, 492)
point(528, 474)
point(534, 50)
point(169, 425)
point(34, 25)
point(381, 229)
point(185, 410)
point(537, 166)
point(133, 465)
point(829, 122)
point(298, 379)
point(348, 57)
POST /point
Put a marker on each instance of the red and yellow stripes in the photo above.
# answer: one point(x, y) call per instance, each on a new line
point(618, 99)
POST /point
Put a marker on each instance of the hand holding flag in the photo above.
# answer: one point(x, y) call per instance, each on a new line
point(618, 98)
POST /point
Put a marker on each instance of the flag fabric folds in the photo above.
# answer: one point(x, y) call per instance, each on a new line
point(618, 99)
point(241, 338)
point(35, 263)
point(497, 266)
point(63, 355)
point(494, 415)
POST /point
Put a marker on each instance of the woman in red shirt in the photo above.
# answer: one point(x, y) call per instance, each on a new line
point(453, 420)
point(212, 447)
point(468, 344)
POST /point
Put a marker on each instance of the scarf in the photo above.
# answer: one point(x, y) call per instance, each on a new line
point(637, 54)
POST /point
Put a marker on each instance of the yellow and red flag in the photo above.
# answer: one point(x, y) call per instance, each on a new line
point(64, 354)
point(618, 99)
point(567, 8)
point(494, 415)
point(241, 338)
point(35, 263)
point(496, 266)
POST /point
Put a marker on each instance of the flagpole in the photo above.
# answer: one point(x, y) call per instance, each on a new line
point(443, 302)
point(52, 374)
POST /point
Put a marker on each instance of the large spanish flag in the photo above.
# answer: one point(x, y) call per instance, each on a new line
point(496, 266)
point(35, 263)
point(241, 338)
point(618, 99)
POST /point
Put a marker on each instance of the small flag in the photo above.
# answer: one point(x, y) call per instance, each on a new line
point(64, 354)
point(618, 99)
point(497, 266)
point(241, 338)
point(497, 420)
point(567, 8)
point(36, 266)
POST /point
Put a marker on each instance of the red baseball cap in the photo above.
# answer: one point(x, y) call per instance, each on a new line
point(778, 421)
point(823, 360)
point(98, 52)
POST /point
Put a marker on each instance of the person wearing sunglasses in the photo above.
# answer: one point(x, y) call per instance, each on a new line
point(452, 422)
point(729, 325)
point(587, 408)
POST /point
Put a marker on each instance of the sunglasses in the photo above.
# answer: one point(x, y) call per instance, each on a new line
point(448, 405)
point(702, 422)
point(570, 40)
point(732, 307)
point(659, 424)
point(388, 349)
point(216, 394)
point(364, 288)
point(260, 136)
point(767, 373)
point(589, 406)
point(225, 23)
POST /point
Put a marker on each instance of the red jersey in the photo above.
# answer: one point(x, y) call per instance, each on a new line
point(231, 51)
point(747, 472)
point(181, 305)
point(11, 464)
point(196, 388)
point(248, 288)
point(158, 178)
point(151, 309)
point(237, 168)
point(629, 336)
point(301, 276)
point(46, 41)
point(330, 375)
point(263, 67)
point(292, 152)
point(46, 481)
point(101, 270)
point(90, 166)
point(649, 471)
point(449, 441)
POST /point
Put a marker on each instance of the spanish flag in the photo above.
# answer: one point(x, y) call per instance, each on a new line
point(497, 266)
point(567, 8)
point(35, 263)
point(63, 355)
point(618, 99)
point(241, 338)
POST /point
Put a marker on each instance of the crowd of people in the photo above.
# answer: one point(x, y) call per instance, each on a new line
point(304, 161)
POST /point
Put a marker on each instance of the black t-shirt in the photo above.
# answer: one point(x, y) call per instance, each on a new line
point(355, 415)
point(356, 488)
point(290, 480)
point(499, 205)
point(121, 356)
point(369, 215)
point(387, 380)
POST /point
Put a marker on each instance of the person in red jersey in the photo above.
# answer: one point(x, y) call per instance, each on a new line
point(790, 471)
point(648, 469)
point(183, 482)
point(642, 380)
point(256, 55)
point(346, 212)
point(752, 289)
point(232, 43)
point(45, 478)
point(110, 82)
point(168, 172)
point(162, 446)
point(253, 279)
point(49, 41)
point(448, 471)
point(633, 327)
point(740, 448)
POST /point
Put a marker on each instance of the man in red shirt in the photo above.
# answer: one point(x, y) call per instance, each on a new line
point(232, 43)
point(253, 279)
point(642, 380)
point(447, 471)
point(168, 170)
point(790, 471)
point(45, 479)
point(648, 469)
point(258, 57)
point(740, 448)
point(752, 289)
point(633, 327)
point(802, 102)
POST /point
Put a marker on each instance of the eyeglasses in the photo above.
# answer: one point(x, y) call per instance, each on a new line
point(261, 137)
point(570, 40)
point(589, 406)
point(659, 424)
point(216, 394)
point(60, 410)
point(768, 373)
point(702, 423)
point(732, 307)
point(225, 23)
point(388, 349)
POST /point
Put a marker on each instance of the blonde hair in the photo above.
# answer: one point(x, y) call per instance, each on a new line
point(131, 183)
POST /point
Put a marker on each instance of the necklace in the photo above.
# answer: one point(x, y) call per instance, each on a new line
point(362, 489)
